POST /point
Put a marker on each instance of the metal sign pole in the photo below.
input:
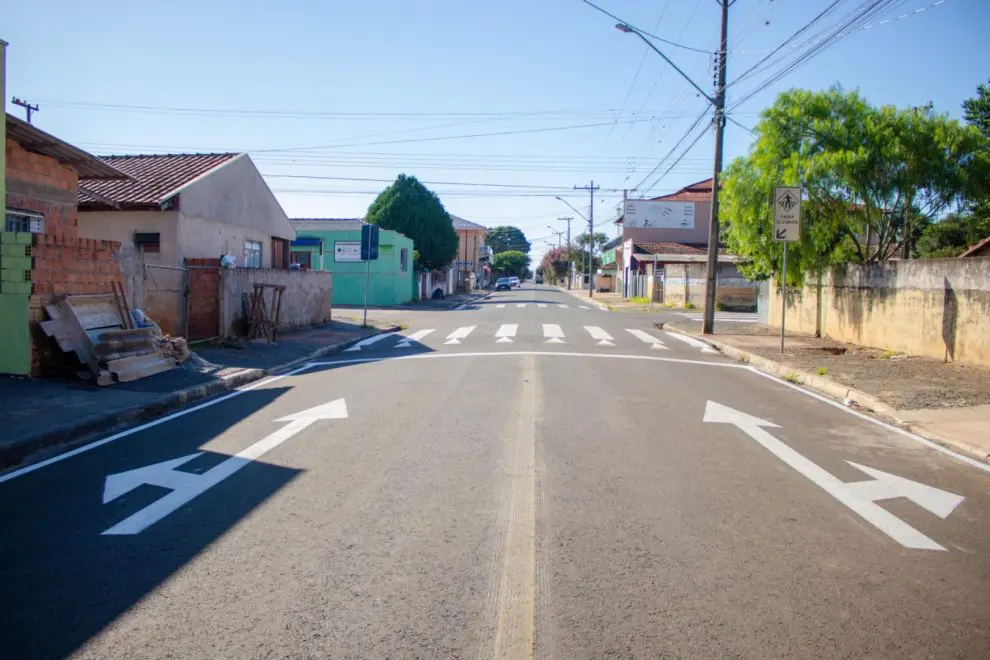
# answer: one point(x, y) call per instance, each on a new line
point(367, 278)
point(783, 305)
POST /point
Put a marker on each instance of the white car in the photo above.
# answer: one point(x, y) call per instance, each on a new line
point(514, 281)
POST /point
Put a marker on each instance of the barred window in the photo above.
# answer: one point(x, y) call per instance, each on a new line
point(24, 221)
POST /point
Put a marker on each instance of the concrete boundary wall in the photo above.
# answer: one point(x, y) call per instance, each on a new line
point(306, 300)
point(937, 308)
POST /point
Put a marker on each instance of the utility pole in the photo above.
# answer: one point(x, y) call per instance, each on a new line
point(711, 277)
point(570, 264)
point(27, 106)
point(591, 232)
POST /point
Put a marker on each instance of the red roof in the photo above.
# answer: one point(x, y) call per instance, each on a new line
point(668, 247)
point(154, 178)
point(696, 192)
point(976, 248)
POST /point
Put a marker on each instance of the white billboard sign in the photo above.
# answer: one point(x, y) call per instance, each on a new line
point(787, 214)
point(645, 214)
point(346, 251)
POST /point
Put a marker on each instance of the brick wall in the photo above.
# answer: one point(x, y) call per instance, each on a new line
point(64, 263)
point(204, 298)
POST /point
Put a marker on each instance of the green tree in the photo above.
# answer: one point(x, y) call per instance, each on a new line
point(867, 173)
point(977, 110)
point(600, 239)
point(511, 262)
point(554, 265)
point(408, 207)
point(504, 238)
point(950, 236)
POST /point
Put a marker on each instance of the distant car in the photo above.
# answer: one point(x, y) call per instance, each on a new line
point(538, 280)
point(503, 283)
point(514, 281)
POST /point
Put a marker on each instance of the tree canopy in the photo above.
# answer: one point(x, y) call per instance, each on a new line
point(504, 238)
point(410, 208)
point(511, 262)
point(872, 179)
point(554, 264)
point(600, 239)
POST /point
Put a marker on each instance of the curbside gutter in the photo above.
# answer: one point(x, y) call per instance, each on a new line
point(590, 301)
point(68, 435)
point(830, 388)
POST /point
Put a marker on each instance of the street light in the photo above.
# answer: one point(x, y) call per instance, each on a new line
point(581, 215)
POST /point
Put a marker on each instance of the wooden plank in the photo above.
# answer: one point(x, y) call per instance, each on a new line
point(117, 299)
point(126, 370)
point(81, 343)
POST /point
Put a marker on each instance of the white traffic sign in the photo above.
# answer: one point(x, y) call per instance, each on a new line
point(647, 214)
point(786, 214)
point(185, 486)
point(860, 496)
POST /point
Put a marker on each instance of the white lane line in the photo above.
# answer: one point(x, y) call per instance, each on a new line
point(506, 332)
point(562, 306)
point(541, 304)
point(479, 354)
point(647, 339)
point(168, 418)
point(604, 339)
point(582, 307)
point(521, 305)
point(553, 334)
point(691, 341)
point(460, 333)
point(414, 337)
point(367, 342)
point(500, 306)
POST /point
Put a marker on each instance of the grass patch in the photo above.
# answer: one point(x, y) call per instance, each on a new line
point(690, 305)
point(403, 326)
point(822, 371)
point(886, 355)
point(793, 378)
point(640, 300)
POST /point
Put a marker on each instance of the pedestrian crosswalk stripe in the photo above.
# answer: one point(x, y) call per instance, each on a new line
point(521, 305)
point(582, 307)
point(414, 337)
point(553, 333)
point(691, 341)
point(647, 338)
point(506, 332)
point(541, 305)
point(502, 306)
point(603, 338)
point(562, 306)
point(457, 335)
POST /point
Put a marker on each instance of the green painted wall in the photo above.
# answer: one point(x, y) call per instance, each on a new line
point(389, 284)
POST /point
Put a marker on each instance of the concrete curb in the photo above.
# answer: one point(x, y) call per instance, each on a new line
point(832, 389)
point(69, 435)
point(464, 304)
point(590, 301)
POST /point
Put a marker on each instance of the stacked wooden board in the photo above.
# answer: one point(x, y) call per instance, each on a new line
point(101, 332)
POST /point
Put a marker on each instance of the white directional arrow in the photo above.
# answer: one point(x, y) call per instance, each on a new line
point(506, 332)
point(457, 335)
point(860, 496)
point(414, 337)
point(603, 338)
point(366, 342)
point(185, 486)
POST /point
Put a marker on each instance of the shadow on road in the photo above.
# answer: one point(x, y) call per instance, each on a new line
point(62, 581)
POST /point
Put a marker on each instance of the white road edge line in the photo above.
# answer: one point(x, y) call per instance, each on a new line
point(147, 425)
point(890, 427)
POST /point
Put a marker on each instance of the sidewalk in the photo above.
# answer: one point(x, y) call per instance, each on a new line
point(602, 300)
point(40, 414)
point(946, 403)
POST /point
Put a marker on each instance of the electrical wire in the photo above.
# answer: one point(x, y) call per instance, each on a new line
point(644, 32)
point(672, 165)
point(694, 124)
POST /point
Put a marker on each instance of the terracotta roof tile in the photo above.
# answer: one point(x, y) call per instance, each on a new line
point(675, 248)
point(696, 192)
point(154, 177)
point(976, 248)
point(461, 223)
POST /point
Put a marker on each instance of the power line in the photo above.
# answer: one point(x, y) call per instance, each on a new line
point(652, 36)
point(697, 121)
point(431, 183)
point(674, 164)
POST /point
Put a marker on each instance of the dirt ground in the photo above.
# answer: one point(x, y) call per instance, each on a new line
point(901, 381)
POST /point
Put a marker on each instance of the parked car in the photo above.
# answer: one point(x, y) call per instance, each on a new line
point(503, 283)
point(514, 281)
point(539, 279)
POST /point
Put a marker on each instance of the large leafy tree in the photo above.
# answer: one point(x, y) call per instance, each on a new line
point(598, 242)
point(504, 238)
point(951, 235)
point(410, 208)
point(511, 262)
point(873, 178)
point(554, 264)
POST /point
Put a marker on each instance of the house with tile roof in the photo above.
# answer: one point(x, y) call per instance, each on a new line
point(473, 264)
point(175, 207)
point(669, 263)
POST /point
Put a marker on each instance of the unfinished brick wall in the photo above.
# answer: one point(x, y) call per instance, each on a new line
point(63, 263)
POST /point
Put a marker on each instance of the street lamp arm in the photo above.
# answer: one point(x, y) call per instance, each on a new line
point(572, 208)
point(624, 27)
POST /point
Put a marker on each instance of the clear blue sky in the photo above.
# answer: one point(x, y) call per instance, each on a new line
point(360, 75)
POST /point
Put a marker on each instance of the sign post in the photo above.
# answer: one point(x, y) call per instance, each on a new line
point(786, 228)
point(369, 252)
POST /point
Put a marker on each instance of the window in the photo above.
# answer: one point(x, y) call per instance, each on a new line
point(24, 221)
point(148, 242)
point(252, 254)
point(304, 259)
point(404, 259)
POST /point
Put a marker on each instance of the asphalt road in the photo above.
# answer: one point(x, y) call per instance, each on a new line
point(533, 477)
